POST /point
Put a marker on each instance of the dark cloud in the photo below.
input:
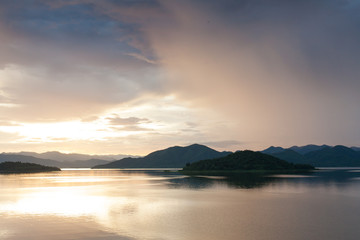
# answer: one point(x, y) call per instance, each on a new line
point(284, 70)
point(71, 53)
point(320, 37)
point(85, 32)
point(38, 31)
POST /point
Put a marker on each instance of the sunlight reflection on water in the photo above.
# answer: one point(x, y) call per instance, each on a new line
point(91, 204)
point(67, 201)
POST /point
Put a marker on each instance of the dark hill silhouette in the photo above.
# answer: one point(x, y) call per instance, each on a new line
point(173, 157)
point(245, 161)
point(272, 150)
point(307, 148)
point(356, 148)
point(334, 157)
point(290, 156)
point(321, 156)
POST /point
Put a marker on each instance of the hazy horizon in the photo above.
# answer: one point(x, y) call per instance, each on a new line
point(132, 77)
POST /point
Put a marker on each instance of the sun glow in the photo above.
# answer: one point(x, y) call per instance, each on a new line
point(161, 115)
point(115, 130)
point(71, 131)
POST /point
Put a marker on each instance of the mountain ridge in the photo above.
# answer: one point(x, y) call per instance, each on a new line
point(172, 157)
point(320, 155)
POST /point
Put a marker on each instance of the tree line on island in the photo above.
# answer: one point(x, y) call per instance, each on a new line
point(20, 167)
point(246, 161)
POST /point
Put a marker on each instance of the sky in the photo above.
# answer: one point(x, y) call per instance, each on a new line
point(134, 76)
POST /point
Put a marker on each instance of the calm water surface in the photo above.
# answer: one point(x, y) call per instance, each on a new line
point(118, 204)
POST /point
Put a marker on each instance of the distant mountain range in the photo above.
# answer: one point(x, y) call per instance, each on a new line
point(49, 162)
point(29, 159)
point(62, 160)
point(173, 157)
point(318, 156)
point(178, 157)
point(71, 157)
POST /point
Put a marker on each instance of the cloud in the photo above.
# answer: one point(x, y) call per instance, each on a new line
point(72, 55)
point(283, 70)
point(90, 119)
point(129, 124)
point(271, 72)
point(60, 139)
point(129, 14)
point(6, 137)
point(4, 100)
point(192, 124)
point(131, 128)
point(9, 124)
point(127, 121)
point(141, 57)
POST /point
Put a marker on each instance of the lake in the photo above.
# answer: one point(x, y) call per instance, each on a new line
point(142, 204)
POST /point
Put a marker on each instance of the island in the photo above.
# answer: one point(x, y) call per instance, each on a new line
point(246, 161)
point(20, 167)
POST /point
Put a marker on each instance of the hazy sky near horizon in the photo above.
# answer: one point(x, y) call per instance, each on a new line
point(136, 76)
